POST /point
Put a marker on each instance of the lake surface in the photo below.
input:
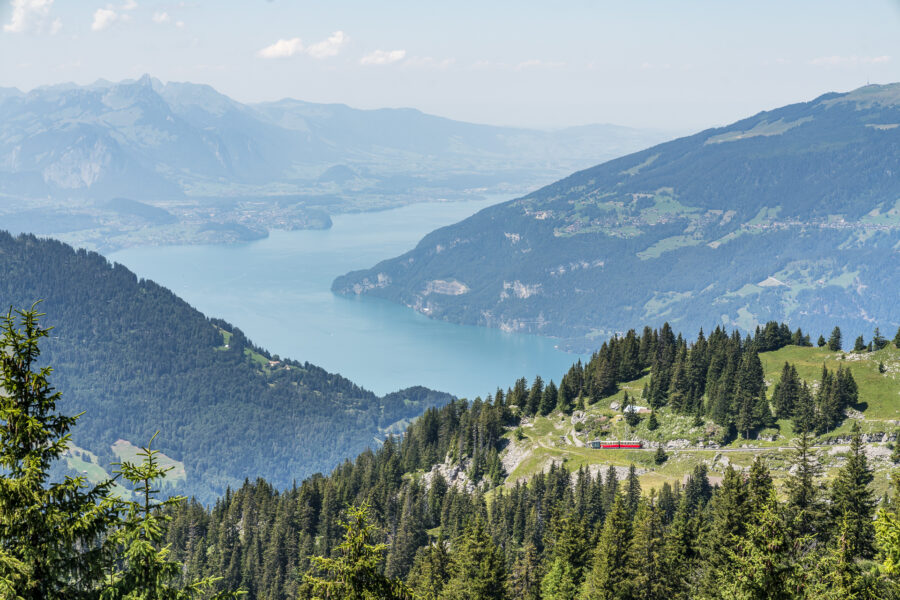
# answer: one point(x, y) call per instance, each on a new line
point(278, 292)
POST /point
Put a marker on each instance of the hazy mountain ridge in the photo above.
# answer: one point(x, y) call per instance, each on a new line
point(207, 158)
point(791, 214)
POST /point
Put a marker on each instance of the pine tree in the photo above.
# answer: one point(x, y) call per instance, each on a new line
point(410, 536)
point(897, 339)
point(762, 562)
point(804, 418)
point(632, 491)
point(524, 581)
point(679, 551)
point(660, 457)
point(878, 340)
point(834, 342)
point(477, 567)
point(607, 578)
point(535, 395)
point(805, 510)
point(859, 345)
point(852, 499)
point(566, 558)
point(652, 423)
point(646, 552)
point(821, 342)
point(730, 510)
point(430, 571)
point(147, 572)
point(786, 391)
point(48, 531)
point(549, 398)
point(354, 574)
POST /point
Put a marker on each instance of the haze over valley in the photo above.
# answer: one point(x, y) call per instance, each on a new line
point(445, 301)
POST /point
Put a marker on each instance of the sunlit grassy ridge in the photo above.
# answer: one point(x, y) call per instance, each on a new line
point(554, 438)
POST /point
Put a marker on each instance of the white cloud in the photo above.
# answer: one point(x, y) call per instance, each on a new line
point(179, 24)
point(129, 5)
point(31, 15)
point(383, 57)
point(849, 61)
point(328, 47)
point(103, 18)
point(287, 48)
point(282, 49)
point(161, 17)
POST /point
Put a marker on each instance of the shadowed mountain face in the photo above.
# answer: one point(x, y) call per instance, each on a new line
point(137, 359)
point(792, 214)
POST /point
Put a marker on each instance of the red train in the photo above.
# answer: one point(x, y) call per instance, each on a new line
point(605, 444)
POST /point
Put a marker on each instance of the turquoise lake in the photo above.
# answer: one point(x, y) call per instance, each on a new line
point(278, 292)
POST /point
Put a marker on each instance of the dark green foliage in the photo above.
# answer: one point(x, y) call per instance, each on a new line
point(852, 501)
point(607, 577)
point(897, 339)
point(67, 540)
point(48, 531)
point(821, 343)
point(834, 342)
point(660, 457)
point(859, 345)
point(354, 574)
point(477, 567)
point(805, 511)
point(145, 571)
point(138, 359)
point(878, 340)
point(652, 422)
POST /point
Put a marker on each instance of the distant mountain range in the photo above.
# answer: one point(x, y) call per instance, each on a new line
point(792, 214)
point(206, 158)
point(137, 359)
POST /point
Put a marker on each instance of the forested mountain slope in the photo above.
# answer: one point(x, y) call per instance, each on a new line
point(138, 359)
point(792, 214)
point(500, 498)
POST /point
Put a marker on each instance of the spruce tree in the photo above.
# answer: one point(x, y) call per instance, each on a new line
point(805, 510)
point(524, 581)
point(355, 573)
point(729, 512)
point(859, 345)
point(632, 491)
point(147, 572)
point(762, 562)
point(652, 422)
point(834, 342)
point(430, 571)
point(660, 457)
point(821, 342)
point(646, 553)
point(897, 339)
point(852, 500)
point(549, 398)
point(477, 567)
point(608, 576)
point(49, 532)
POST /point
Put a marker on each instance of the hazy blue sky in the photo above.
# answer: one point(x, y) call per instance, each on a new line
point(669, 64)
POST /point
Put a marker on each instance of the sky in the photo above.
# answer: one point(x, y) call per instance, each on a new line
point(674, 65)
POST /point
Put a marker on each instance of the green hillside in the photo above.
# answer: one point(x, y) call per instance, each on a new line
point(558, 438)
point(790, 215)
point(136, 359)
